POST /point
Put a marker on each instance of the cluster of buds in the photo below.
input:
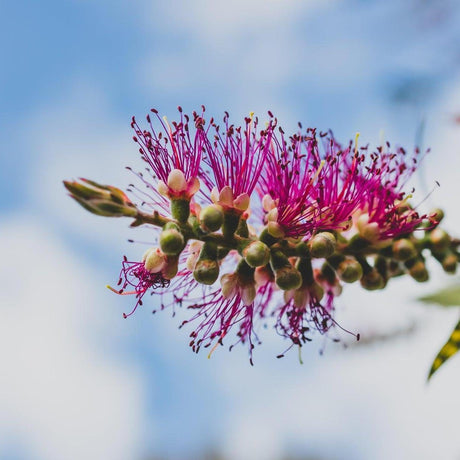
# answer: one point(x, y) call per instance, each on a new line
point(254, 225)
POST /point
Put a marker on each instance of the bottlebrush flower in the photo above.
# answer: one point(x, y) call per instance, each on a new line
point(174, 154)
point(308, 185)
point(234, 161)
point(325, 204)
point(384, 209)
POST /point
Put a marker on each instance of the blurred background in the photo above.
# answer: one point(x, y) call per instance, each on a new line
point(79, 382)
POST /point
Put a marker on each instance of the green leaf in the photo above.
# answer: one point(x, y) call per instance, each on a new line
point(448, 297)
point(447, 351)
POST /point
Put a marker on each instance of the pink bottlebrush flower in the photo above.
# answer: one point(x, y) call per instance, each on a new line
point(234, 161)
point(384, 209)
point(174, 154)
point(309, 186)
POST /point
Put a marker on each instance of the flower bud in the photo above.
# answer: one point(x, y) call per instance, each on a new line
point(439, 240)
point(194, 249)
point(437, 214)
point(206, 271)
point(171, 241)
point(288, 278)
point(322, 245)
point(275, 229)
point(102, 200)
point(257, 254)
point(349, 270)
point(372, 281)
point(418, 271)
point(211, 218)
point(176, 181)
point(368, 230)
point(404, 250)
point(154, 260)
point(449, 263)
point(171, 267)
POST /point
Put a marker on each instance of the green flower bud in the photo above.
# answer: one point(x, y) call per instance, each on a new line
point(349, 270)
point(171, 241)
point(171, 268)
point(439, 240)
point(211, 218)
point(257, 254)
point(418, 271)
point(438, 214)
point(449, 263)
point(206, 271)
point(154, 260)
point(404, 250)
point(372, 281)
point(288, 278)
point(322, 245)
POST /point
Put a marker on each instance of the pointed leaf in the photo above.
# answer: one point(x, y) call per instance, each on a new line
point(447, 351)
point(448, 297)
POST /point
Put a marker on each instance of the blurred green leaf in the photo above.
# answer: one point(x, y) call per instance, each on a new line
point(448, 297)
point(447, 351)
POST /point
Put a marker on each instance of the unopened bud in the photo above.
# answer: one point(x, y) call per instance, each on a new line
point(349, 270)
point(154, 260)
point(404, 250)
point(288, 278)
point(322, 245)
point(449, 263)
point(275, 229)
point(368, 230)
point(257, 254)
point(206, 271)
point(171, 267)
point(176, 181)
point(439, 240)
point(419, 272)
point(171, 241)
point(211, 218)
point(438, 214)
point(372, 281)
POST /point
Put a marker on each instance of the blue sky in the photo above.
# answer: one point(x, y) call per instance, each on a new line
point(83, 383)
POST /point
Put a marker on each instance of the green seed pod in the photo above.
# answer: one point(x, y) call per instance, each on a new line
point(322, 245)
point(171, 241)
point(256, 254)
point(404, 250)
point(349, 270)
point(211, 218)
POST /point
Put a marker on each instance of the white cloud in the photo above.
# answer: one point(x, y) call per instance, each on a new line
point(62, 396)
